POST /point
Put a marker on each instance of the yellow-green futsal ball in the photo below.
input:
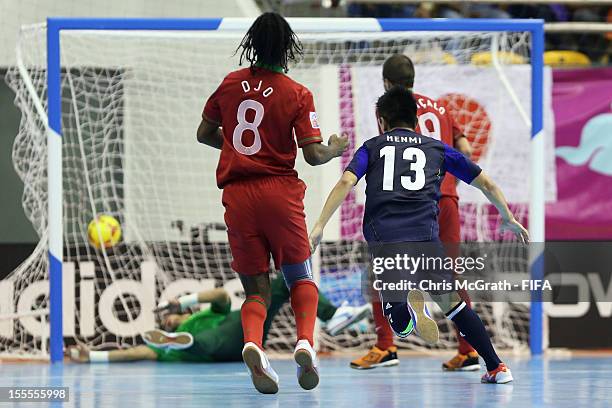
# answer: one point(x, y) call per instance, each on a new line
point(104, 231)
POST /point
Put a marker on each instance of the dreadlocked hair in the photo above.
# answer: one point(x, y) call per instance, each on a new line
point(270, 41)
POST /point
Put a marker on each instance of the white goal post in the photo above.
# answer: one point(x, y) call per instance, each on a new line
point(369, 29)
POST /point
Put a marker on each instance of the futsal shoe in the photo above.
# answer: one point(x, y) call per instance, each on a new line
point(501, 375)
point(426, 328)
point(376, 358)
point(307, 370)
point(345, 316)
point(170, 341)
point(462, 362)
point(263, 375)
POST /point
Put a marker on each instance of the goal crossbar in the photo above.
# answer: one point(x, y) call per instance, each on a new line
point(54, 131)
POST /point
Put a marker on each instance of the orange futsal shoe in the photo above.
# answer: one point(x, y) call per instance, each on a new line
point(376, 358)
point(462, 362)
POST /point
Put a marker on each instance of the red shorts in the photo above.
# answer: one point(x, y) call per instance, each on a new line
point(266, 216)
point(449, 224)
point(448, 220)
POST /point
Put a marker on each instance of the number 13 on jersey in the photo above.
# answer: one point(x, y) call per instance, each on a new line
point(417, 165)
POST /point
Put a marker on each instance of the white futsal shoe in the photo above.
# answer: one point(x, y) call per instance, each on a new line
point(501, 375)
point(307, 370)
point(263, 375)
point(345, 316)
point(426, 327)
point(170, 341)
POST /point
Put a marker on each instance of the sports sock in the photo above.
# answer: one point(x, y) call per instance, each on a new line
point(253, 314)
point(384, 334)
point(463, 346)
point(304, 298)
point(475, 333)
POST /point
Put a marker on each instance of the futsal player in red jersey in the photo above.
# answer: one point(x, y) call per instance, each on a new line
point(434, 121)
point(255, 117)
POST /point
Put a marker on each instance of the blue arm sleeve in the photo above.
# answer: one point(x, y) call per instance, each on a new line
point(359, 165)
point(459, 165)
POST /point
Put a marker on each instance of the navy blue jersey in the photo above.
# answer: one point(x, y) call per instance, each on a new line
point(403, 171)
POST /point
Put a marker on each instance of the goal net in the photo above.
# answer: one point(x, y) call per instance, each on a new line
point(131, 102)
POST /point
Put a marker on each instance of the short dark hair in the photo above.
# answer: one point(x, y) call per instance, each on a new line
point(399, 70)
point(271, 41)
point(397, 107)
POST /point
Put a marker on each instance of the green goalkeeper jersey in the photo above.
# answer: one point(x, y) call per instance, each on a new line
point(217, 335)
point(217, 331)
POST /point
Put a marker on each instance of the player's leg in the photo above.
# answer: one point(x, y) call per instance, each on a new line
point(342, 317)
point(326, 311)
point(250, 251)
point(253, 315)
point(384, 352)
point(255, 307)
point(393, 301)
point(335, 318)
point(284, 222)
point(472, 328)
point(304, 299)
point(384, 334)
point(466, 358)
point(251, 257)
point(424, 326)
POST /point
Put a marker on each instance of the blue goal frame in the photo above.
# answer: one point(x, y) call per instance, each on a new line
point(54, 139)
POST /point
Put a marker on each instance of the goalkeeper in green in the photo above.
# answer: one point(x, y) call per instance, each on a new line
point(213, 334)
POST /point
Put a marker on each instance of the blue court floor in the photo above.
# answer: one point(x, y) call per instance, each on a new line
point(416, 382)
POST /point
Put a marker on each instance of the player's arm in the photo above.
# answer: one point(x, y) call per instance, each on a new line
point(469, 172)
point(82, 354)
point(463, 145)
point(308, 133)
point(460, 141)
point(335, 198)
point(218, 298)
point(209, 133)
point(354, 171)
point(317, 153)
point(496, 197)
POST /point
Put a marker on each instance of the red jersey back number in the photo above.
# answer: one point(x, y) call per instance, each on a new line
point(429, 123)
point(253, 126)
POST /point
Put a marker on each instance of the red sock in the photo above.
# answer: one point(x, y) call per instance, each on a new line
point(253, 315)
point(384, 333)
point(304, 299)
point(463, 346)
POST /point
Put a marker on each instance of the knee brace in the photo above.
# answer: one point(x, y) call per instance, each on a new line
point(297, 272)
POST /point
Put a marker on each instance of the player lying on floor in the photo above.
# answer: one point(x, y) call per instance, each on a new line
point(214, 334)
point(403, 171)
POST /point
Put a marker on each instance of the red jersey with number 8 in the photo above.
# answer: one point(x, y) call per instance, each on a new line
point(263, 114)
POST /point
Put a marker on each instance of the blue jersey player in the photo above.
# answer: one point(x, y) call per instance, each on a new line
point(403, 172)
